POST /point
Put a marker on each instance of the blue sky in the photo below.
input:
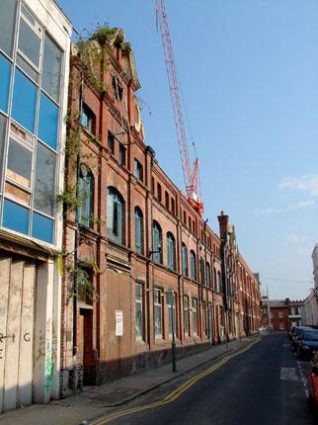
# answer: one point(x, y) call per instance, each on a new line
point(249, 76)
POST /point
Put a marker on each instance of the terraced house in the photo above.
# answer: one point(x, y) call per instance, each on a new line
point(34, 65)
point(141, 266)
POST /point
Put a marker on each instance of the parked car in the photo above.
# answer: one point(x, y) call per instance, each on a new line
point(297, 334)
point(312, 380)
point(307, 343)
point(290, 333)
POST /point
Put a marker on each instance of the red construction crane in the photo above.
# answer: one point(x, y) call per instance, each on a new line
point(191, 173)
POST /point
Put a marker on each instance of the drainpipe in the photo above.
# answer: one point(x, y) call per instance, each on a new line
point(148, 247)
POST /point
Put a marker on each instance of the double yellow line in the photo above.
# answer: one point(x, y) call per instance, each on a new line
point(174, 394)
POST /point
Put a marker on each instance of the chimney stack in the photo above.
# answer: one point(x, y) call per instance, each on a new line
point(223, 223)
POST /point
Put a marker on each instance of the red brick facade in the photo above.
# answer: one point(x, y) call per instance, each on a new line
point(135, 205)
point(283, 314)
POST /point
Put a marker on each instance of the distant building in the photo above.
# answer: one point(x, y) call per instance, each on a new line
point(34, 70)
point(310, 311)
point(281, 314)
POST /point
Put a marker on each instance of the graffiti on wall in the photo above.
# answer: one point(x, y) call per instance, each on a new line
point(3, 338)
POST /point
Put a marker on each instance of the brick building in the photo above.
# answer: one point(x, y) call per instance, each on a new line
point(283, 314)
point(141, 265)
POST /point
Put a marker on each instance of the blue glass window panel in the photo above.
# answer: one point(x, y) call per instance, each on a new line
point(29, 43)
point(5, 71)
point(3, 123)
point(7, 24)
point(15, 217)
point(52, 68)
point(42, 228)
point(24, 101)
point(48, 125)
point(44, 180)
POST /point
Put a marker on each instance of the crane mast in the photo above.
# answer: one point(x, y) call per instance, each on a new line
point(191, 174)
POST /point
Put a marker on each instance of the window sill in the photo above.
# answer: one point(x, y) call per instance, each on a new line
point(91, 135)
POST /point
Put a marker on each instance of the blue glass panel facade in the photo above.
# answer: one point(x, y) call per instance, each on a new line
point(42, 228)
point(15, 217)
point(5, 73)
point(30, 84)
point(48, 124)
point(24, 101)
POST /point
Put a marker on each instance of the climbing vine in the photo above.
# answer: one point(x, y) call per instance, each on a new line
point(87, 55)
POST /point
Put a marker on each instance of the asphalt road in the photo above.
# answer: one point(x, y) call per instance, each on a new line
point(263, 386)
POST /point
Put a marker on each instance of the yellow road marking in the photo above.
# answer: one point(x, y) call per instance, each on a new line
point(174, 395)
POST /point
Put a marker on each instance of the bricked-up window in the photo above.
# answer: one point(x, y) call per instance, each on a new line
point(115, 216)
point(152, 185)
point(159, 194)
point(172, 316)
point(88, 119)
point(186, 312)
point(204, 318)
point(193, 265)
point(202, 274)
point(138, 171)
point(139, 231)
point(139, 307)
point(85, 193)
point(184, 255)
point(167, 203)
point(171, 251)
point(111, 142)
point(194, 316)
point(207, 275)
point(122, 155)
point(157, 296)
point(219, 284)
point(156, 242)
point(118, 88)
point(173, 208)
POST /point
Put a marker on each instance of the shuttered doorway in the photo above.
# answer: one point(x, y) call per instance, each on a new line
point(17, 312)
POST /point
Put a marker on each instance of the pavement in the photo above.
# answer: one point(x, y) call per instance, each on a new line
point(79, 409)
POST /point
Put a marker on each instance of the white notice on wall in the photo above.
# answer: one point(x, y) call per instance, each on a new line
point(119, 319)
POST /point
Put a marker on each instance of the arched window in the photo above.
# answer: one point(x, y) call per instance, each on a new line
point(193, 265)
point(115, 216)
point(215, 283)
point(171, 251)
point(207, 275)
point(184, 254)
point(156, 242)
point(202, 274)
point(85, 195)
point(139, 231)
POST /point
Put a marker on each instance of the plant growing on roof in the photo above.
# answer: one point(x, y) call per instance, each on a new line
point(103, 33)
